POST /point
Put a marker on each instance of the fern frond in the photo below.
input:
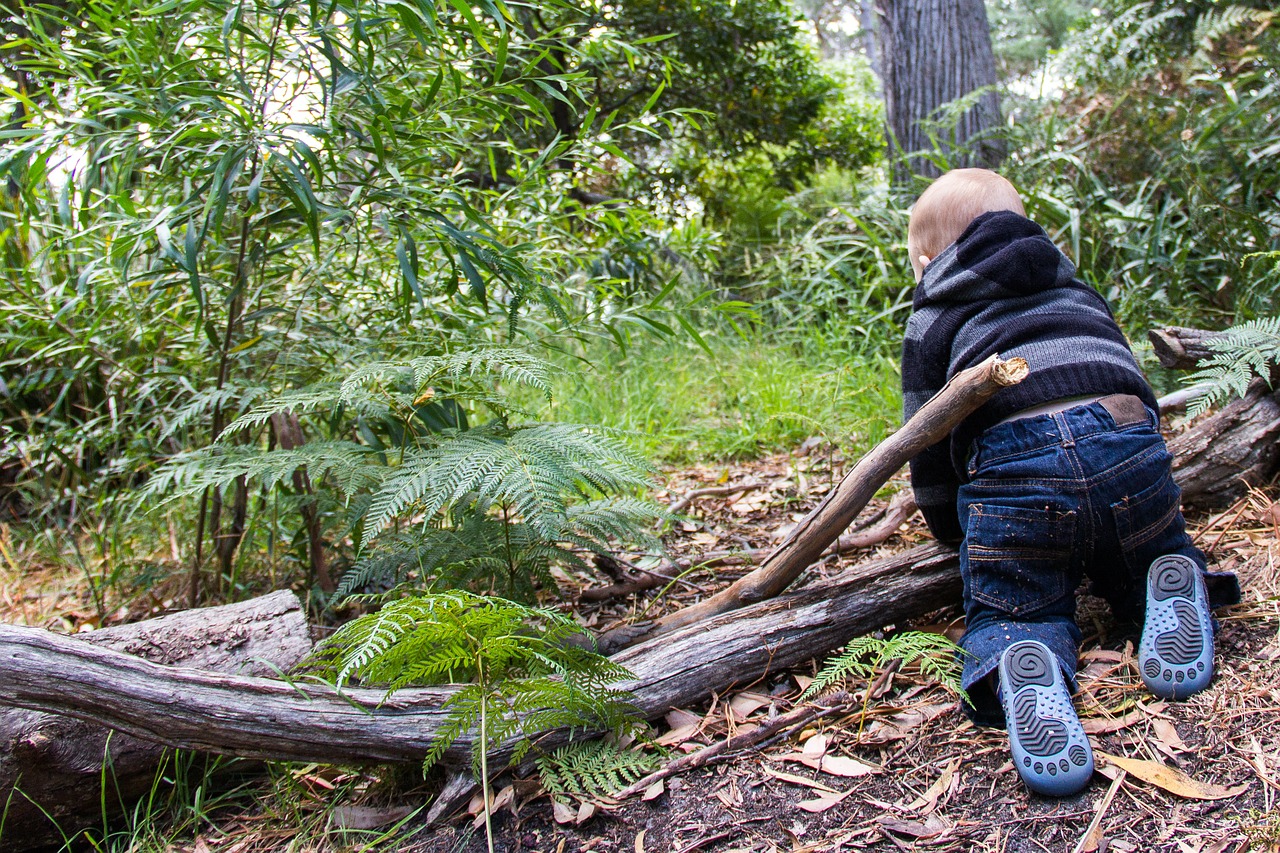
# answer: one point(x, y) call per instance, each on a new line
point(347, 463)
point(528, 677)
point(937, 657)
point(1245, 352)
point(503, 364)
point(589, 770)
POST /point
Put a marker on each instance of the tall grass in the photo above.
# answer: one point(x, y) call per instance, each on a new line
point(743, 396)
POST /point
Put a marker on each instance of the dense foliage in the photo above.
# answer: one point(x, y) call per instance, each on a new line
point(213, 204)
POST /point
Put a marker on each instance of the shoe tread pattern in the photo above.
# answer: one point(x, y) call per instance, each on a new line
point(1050, 749)
point(1039, 735)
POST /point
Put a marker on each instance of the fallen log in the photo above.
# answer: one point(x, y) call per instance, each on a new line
point(52, 766)
point(1223, 454)
point(960, 397)
point(1180, 348)
point(268, 718)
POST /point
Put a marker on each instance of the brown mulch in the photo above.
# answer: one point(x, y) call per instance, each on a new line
point(1207, 771)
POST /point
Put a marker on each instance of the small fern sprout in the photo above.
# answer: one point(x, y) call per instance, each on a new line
point(593, 770)
point(866, 657)
point(525, 671)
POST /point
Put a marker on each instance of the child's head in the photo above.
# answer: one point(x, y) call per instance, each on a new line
point(947, 207)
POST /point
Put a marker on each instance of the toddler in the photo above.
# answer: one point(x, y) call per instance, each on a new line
point(1060, 477)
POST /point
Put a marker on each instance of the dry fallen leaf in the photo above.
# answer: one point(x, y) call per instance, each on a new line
point(678, 717)
point(849, 768)
point(815, 747)
point(1168, 735)
point(931, 827)
point(800, 780)
point(562, 812)
point(928, 801)
point(654, 791)
point(365, 817)
point(1106, 725)
point(745, 704)
point(640, 841)
point(823, 802)
point(1171, 779)
point(835, 765)
point(679, 735)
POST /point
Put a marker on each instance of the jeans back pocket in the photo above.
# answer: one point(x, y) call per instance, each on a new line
point(1018, 560)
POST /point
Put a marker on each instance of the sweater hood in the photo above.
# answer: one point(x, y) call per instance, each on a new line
point(1000, 255)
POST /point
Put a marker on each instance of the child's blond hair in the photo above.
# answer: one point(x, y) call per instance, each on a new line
point(947, 207)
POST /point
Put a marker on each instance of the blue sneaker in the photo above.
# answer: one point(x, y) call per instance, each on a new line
point(1175, 656)
point(1050, 749)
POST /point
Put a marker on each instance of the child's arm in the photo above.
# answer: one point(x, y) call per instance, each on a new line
point(936, 488)
point(925, 356)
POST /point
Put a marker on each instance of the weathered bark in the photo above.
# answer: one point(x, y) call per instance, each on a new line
point(53, 764)
point(961, 396)
point(1180, 348)
point(267, 718)
point(934, 52)
point(1225, 453)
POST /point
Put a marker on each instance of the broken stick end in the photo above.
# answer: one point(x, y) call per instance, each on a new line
point(1009, 371)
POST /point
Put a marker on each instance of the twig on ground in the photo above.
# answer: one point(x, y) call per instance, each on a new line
point(835, 703)
point(632, 579)
point(1092, 838)
point(684, 502)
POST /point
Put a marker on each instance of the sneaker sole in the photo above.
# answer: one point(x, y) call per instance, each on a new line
point(1050, 749)
point(1175, 656)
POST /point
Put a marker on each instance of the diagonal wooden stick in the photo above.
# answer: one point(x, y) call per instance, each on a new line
point(966, 391)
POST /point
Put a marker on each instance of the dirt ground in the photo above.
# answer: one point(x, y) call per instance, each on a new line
point(1200, 776)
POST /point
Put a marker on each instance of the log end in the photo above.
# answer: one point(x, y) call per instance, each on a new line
point(1009, 371)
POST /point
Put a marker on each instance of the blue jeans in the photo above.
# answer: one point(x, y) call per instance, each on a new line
point(1052, 499)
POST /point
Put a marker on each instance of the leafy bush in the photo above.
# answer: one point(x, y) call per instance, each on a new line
point(254, 197)
point(429, 497)
point(1155, 169)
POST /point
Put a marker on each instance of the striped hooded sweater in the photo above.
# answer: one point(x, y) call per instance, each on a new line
point(1003, 287)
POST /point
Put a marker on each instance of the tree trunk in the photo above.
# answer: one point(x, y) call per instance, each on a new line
point(54, 764)
point(933, 53)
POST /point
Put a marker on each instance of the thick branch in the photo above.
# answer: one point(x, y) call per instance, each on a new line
point(963, 395)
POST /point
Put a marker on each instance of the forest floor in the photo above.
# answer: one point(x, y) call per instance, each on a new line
point(1200, 776)
point(912, 773)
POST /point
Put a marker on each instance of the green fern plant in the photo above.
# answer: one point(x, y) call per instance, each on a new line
point(866, 657)
point(524, 673)
point(429, 497)
point(591, 770)
point(1246, 352)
